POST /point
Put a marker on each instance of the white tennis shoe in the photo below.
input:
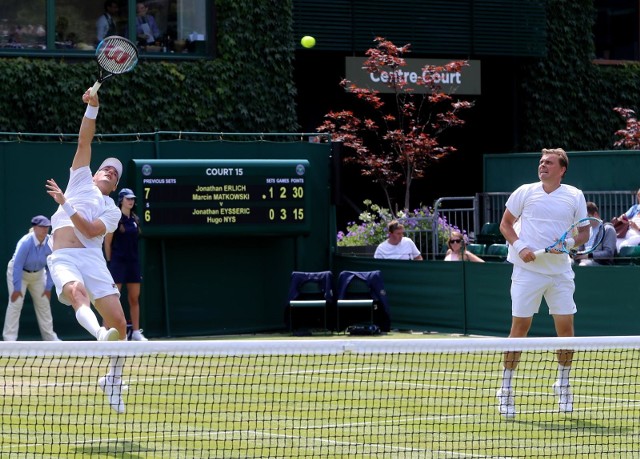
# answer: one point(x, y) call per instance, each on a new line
point(138, 336)
point(108, 335)
point(112, 388)
point(565, 397)
point(506, 403)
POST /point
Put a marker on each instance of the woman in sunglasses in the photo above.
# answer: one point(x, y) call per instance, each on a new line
point(457, 249)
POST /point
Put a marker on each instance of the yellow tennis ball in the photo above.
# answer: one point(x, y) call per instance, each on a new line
point(308, 42)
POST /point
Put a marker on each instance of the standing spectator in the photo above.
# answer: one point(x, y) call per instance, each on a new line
point(457, 249)
point(78, 268)
point(397, 246)
point(544, 210)
point(28, 269)
point(603, 255)
point(121, 252)
point(146, 27)
point(106, 24)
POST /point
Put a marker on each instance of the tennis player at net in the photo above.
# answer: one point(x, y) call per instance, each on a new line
point(543, 210)
point(77, 265)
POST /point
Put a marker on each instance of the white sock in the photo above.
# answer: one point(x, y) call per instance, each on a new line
point(563, 375)
point(507, 376)
point(115, 367)
point(86, 318)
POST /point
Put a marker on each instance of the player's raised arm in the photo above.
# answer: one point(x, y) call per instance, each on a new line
point(87, 131)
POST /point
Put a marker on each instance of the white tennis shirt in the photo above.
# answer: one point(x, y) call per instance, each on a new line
point(404, 250)
point(89, 201)
point(543, 218)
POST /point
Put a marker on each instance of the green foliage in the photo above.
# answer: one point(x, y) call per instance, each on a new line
point(247, 87)
point(394, 144)
point(567, 100)
point(628, 138)
point(372, 226)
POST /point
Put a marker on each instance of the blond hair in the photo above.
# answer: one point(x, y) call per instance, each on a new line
point(561, 154)
point(457, 235)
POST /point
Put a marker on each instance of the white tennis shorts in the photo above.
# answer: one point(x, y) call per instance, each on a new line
point(81, 265)
point(529, 287)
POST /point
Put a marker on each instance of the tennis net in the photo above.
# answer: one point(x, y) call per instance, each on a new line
point(364, 397)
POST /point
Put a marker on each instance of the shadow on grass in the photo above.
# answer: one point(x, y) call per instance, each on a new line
point(116, 449)
point(584, 425)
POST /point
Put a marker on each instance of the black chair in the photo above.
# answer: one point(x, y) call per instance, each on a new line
point(311, 292)
point(361, 297)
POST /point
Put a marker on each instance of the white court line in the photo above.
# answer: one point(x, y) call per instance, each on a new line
point(340, 372)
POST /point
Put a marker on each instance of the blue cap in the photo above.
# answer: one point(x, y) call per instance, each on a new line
point(40, 220)
point(126, 193)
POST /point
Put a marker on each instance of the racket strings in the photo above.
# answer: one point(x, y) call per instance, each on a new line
point(117, 56)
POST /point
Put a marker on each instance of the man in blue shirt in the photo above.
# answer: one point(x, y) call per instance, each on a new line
point(28, 269)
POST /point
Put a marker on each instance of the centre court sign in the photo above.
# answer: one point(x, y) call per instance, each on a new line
point(465, 82)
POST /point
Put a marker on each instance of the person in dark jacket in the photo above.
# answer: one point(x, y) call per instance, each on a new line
point(121, 252)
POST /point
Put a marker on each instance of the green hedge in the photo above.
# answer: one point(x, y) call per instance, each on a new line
point(564, 99)
point(567, 100)
point(248, 87)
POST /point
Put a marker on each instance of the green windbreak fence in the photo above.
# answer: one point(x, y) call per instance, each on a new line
point(198, 283)
point(218, 282)
point(473, 298)
point(607, 170)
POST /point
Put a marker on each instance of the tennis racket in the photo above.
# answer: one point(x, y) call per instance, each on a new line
point(115, 55)
point(561, 243)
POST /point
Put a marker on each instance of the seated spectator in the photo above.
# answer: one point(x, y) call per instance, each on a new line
point(146, 27)
point(604, 254)
point(457, 249)
point(633, 235)
point(397, 246)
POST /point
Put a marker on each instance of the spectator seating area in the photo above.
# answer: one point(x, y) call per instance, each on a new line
point(629, 255)
point(497, 251)
point(490, 234)
point(489, 252)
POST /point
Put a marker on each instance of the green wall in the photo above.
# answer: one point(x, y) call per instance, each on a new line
point(588, 170)
point(238, 284)
point(192, 286)
point(473, 298)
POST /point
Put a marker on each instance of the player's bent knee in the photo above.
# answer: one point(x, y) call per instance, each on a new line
point(76, 292)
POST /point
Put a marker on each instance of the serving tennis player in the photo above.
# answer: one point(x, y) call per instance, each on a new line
point(78, 268)
point(543, 210)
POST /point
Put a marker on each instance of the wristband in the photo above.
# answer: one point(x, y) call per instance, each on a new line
point(68, 208)
point(519, 245)
point(569, 243)
point(91, 112)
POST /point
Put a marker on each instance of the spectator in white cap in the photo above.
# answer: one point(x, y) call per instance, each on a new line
point(78, 267)
point(121, 251)
point(27, 270)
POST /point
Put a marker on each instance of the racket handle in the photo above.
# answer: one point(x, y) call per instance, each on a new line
point(94, 88)
point(539, 252)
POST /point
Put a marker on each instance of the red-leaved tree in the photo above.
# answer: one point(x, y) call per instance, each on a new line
point(397, 145)
point(628, 138)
